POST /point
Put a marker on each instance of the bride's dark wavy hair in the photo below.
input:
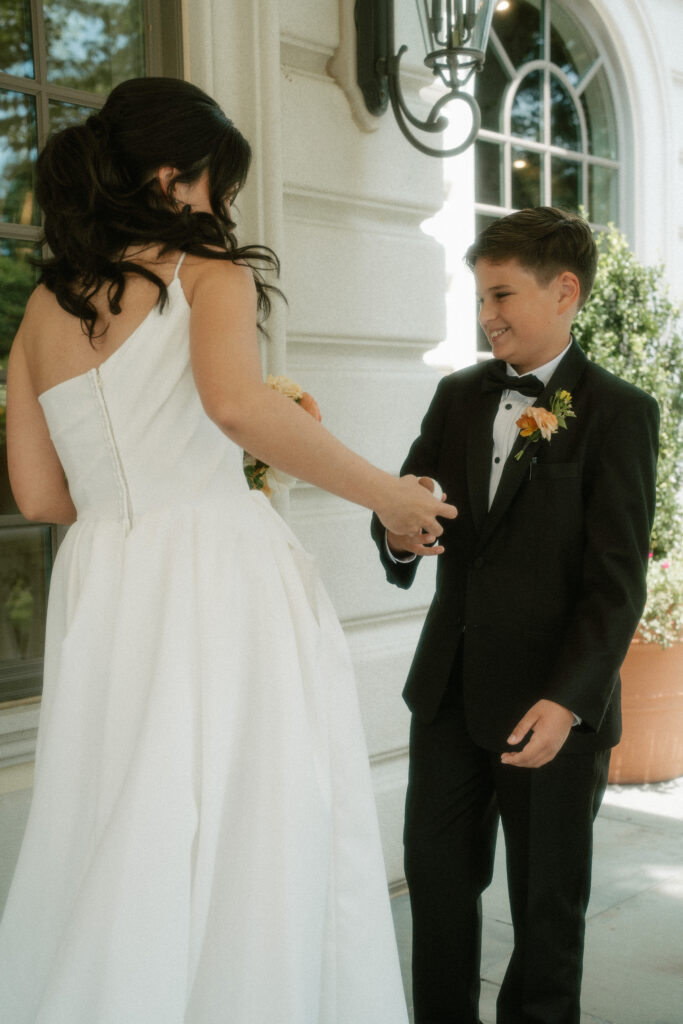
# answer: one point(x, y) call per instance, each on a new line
point(97, 187)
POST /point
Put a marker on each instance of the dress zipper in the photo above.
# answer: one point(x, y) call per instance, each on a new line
point(126, 507)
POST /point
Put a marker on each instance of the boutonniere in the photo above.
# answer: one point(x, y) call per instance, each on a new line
point(536, 422)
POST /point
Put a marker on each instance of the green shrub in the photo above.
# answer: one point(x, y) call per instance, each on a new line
point(631, 327)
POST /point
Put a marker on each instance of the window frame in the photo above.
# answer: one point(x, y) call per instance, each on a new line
point(545, 147)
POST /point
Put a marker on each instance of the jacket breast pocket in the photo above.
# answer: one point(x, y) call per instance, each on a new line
point(553, 470)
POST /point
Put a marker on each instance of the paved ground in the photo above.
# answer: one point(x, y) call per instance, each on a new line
point(634, 944)
point(633, 971)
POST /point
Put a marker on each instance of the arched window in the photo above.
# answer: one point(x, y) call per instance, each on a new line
point(549, 134)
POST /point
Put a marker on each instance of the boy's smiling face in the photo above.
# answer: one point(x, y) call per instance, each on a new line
point(527, 323)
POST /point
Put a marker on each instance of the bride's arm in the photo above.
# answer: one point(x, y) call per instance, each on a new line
point(36, 474)
point(227, 370)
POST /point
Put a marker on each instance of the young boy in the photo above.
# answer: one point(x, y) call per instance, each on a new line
point(514, 687)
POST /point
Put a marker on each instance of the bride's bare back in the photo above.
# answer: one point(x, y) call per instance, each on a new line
point(56, 345)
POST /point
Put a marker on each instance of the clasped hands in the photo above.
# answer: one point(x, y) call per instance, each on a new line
point(424, 542)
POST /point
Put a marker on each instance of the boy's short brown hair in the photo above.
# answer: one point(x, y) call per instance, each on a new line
point(543, 240)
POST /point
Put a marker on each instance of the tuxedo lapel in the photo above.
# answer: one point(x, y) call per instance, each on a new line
point(565, 377)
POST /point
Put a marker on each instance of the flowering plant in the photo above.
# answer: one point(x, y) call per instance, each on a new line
point(260, 476)
point(662, 620)
point(536, 422)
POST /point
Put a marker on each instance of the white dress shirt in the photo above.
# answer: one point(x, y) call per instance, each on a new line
point(505, 429)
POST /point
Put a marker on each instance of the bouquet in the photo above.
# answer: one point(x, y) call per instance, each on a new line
point(260, 476)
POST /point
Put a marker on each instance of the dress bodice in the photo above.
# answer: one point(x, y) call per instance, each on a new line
point(132, 434)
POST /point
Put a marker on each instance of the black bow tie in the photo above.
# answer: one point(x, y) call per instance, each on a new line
point(498, 379)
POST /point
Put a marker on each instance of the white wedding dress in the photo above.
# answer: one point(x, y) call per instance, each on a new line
point(203, 845)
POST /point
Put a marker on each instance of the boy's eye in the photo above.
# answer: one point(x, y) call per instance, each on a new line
point(502, 295)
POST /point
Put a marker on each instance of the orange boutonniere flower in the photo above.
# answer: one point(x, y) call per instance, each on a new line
point(536, 422)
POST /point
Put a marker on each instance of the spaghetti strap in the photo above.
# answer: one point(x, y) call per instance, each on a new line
point(179, 265)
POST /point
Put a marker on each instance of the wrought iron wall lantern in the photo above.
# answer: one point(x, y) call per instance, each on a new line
point(455, 33)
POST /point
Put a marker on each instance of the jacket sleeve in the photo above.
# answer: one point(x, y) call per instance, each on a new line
point(619, 512)
point(422, 460)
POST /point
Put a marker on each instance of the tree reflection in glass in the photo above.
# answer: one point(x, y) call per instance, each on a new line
point(520, 30)
point(527, 109)
point(25, 558)
point(16, 39)
point(17, 280)
point(527, 182)
point(566, 183)
point(94, 44)
point(565, 126)
point(18, 150)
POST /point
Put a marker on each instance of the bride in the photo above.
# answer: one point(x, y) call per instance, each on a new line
point(202, 844)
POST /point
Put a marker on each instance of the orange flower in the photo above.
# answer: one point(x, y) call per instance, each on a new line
point(527, 425)
point(536, 422)
point(309, 404)
point(537, 418)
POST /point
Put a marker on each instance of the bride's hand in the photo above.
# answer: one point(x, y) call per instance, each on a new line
point(411, 510)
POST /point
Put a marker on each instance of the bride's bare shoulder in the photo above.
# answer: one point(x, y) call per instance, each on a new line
point(41, 300)
point(200, 274)
point(42, 308)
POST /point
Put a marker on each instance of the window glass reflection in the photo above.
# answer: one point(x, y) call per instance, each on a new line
point(25, 559)
point(18, 150)
point(94, 44)
point(16, 43)
point(63, 115)
point(570, 48)
point(603, 195)
point(488, 162)
point(17, 279)
point(566, 183)
point(527, 108)
point(519, 29)
point(527, 178)
point(565, 126)
point(489, 87)
point(600, 117)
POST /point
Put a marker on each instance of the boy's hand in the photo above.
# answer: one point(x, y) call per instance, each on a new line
point(551, 724)
point(423, 544)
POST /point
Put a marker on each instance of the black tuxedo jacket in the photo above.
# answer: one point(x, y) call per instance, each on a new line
point(545, 589)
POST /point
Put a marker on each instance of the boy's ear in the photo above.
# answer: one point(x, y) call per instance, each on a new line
point(569, 290)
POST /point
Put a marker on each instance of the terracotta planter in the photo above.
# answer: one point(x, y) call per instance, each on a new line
point(651, 748)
